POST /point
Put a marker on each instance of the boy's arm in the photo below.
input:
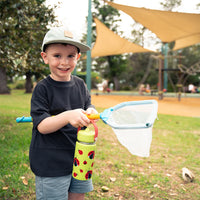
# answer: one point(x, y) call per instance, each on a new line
point(76, 118)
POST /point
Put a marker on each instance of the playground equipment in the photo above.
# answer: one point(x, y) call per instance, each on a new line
point(181, 71)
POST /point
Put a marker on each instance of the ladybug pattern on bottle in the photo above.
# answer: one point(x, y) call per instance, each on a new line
point(91, 154)
point(83, 161)
point(84, 153)
point(80, 152)
point(76, 162)
point(88, 175)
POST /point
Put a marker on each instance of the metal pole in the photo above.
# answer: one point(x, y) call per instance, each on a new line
point(89, 39)
point(165, 66)
point(160, 81)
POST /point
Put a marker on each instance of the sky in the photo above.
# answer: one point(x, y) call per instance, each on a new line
point(72, 13)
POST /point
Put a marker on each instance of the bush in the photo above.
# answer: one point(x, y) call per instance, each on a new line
point(20, 86)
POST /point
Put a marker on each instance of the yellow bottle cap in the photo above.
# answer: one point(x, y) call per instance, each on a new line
point(86, 136)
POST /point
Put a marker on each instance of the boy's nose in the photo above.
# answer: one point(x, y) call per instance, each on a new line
point(65, 61)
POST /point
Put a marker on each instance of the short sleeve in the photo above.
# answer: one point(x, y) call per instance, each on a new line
point(39, 105)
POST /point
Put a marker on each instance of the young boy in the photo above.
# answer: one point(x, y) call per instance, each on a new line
point(58, 106)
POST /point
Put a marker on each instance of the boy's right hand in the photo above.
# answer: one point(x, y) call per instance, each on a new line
point(77, 118)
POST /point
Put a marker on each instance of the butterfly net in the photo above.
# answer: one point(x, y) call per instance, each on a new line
point(132, 123)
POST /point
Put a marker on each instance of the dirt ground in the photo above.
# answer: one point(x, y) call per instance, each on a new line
point(169, 105)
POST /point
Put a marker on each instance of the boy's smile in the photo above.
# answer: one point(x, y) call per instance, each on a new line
point(62, 59)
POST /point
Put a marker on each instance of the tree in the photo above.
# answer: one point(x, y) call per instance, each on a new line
point(143, 64)
point(170, 4)
point(22, 27)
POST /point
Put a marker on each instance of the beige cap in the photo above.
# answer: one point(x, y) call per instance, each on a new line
point(60, 35)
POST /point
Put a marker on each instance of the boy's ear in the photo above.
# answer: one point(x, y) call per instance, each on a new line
point(79, 55)
point(44, 57)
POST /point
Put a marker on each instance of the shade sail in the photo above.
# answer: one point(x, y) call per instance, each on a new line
point(109, 43)
point(187, 41)
point(168, 26)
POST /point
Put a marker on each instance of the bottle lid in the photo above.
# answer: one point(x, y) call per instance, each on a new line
point(86, 136)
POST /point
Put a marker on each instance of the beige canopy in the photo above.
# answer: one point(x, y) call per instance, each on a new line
point(108, 43)
point(183, 28)
point(187, 41)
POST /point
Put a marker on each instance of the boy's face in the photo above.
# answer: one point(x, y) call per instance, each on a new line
point(62, 60)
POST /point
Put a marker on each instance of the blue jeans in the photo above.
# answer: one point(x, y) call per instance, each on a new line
point(57, 188)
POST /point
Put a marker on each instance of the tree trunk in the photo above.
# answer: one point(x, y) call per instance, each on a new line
point(185, 79)
point(116, 83)
point(3, 81)
point(28, 85)
point(172, 84)
point(146, 73)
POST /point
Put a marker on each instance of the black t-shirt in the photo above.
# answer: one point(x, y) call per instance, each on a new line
point(52, 154)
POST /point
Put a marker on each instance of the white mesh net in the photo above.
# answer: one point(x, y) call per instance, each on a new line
point(137, 141)
point(132, 125)
point(138, 116)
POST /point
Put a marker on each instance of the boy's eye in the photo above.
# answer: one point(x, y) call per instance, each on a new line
point(71, 56)
point(57, 56)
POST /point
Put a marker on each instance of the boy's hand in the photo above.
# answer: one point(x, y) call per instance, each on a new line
point(78, 118)
point(91, 111)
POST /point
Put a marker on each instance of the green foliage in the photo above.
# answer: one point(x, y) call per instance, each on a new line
point(20, 86)
point(23, 24)
point(107, 14)
point(95, 78)
point(169, 5)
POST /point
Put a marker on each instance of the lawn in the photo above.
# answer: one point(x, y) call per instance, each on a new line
point(175, 144)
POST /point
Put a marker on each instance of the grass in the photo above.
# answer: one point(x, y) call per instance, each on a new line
point(175, 144)
point(14, 145)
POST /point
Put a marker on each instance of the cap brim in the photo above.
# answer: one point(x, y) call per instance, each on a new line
point(82, 47)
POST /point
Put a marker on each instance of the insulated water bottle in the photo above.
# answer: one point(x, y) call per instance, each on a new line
point(84, 153)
